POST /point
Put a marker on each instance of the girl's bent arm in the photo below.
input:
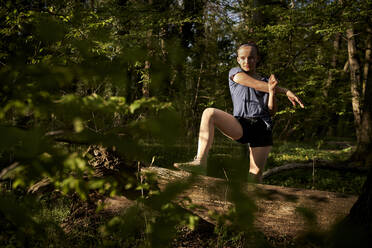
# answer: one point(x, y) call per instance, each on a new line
point(271, 104)
point(246, 80)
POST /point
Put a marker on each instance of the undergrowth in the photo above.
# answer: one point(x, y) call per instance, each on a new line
point(53, 208)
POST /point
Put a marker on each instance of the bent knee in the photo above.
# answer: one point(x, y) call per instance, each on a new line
point(209, 112)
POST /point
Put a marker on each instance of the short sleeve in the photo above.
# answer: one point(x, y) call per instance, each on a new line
point(233, 72)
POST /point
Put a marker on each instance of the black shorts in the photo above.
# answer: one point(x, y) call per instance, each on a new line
point(255, 132)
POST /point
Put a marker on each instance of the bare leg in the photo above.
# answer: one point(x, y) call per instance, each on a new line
point(225, 122)
point(212, 118)
point(258, 157)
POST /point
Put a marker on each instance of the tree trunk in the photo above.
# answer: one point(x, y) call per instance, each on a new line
point(278, 209)
point(146, 80)
point(356, 228)
point(361, 100)
point(330, 79)
point(257, 14)
point(192, 29)
point(365, 144)
point(361, 212)
point(355, 80)
point(146, 74)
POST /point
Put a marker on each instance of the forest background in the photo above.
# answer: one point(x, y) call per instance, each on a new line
point(125, 74)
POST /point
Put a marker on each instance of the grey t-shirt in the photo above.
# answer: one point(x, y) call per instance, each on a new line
point(247, 101)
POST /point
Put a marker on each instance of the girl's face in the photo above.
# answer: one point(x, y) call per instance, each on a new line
point(248, 58)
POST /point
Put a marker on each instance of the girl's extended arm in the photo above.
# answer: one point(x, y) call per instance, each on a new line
point(246, 80)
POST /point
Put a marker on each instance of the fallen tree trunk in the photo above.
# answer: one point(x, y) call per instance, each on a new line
point(315, 164)
point(278, 207)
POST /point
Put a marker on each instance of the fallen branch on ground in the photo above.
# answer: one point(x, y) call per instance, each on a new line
point(7, 169)
point(315, 164)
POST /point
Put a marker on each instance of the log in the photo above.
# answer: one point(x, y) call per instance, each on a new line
point(317, 165)
point(277, 212)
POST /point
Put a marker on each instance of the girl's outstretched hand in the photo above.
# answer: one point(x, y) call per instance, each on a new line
point(273, 82)
point(294, 99)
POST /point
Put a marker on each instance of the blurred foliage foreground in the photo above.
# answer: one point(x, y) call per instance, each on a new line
point(70, 112)
point(61, 96)
point(54, 217)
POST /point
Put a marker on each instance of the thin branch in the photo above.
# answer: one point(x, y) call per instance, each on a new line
point(54, 133)
point(40, 184)
point(7, 169)
point(71, 141)
point(346, 66)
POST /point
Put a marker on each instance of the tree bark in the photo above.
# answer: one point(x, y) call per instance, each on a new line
point(356, 228)
point(278, 209)
point(330, 78)
point(365, 144)
point(257, 14)
point(361, 212)
point(358, 224)
point(361, 100)
point(355, 79)
point(315, 164)
point(146, 74)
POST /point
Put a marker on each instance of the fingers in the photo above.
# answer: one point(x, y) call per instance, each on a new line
point(273, 78)
point(295, 100)
point(273, 82)
point(298, 100)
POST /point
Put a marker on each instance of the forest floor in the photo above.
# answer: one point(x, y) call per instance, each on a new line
point(207, 235)
point(83, 227)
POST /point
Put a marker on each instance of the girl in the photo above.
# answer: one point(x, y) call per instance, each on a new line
point(254, 103)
